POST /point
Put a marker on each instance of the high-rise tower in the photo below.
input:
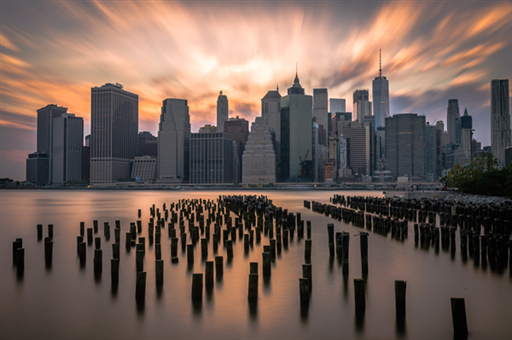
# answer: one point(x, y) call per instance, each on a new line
point(222, 111)
point(114, 132)
point(362, 106)
point(68, 139)
point(174, 141)
point(500, 119)
point(452, 121)
point(296, 135)
point(380, 98)
point(271, 111)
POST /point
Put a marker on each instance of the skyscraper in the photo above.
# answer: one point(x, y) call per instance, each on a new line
point(405, 145)
point(296, 135)
point(362, 106)
point(336, 105)
point(271, 111)
point(500, 119)
point(453, 124)
point(430, 153)
point(211, 157)
point(380, 98)
point(114, 129)
point(68, 136)
point(259, 158)
point(238, 128)
point(222, 111)
point(320, 113)
point(45, 118)
point(174, 141)
point(466, 133)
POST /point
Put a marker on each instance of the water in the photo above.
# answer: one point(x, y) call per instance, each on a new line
point(67, 302)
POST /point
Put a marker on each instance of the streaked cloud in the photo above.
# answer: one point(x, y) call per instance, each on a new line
point(54, 52)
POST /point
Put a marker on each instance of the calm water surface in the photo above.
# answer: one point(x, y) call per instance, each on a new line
point(66, 301)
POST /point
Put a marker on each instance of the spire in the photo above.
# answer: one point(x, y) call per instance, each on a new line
point(466, 111)
point(380, 65)
point(277, 87)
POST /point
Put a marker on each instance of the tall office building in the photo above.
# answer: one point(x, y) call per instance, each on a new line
point(320, 114)
point(360, 144)
point(148, 144)
point(271, 111)
point(259, 158)
point(37, 167)
point(430, 153)
point(500, 119)
point(45, 118)
point(466, 133)
point(336, 105)
point(296, 135)
point(238, 128)
point(114, 130)
point(405, 145)
point(174, 141)
point(222, 111)
point(211, 158)
point(362, 106)
point(68, 137)
point(380, 98)
point(452, 121)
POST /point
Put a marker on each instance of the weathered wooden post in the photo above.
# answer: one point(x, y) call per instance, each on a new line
point(174, 250)
point(266, 264)
point(159, 269)
point(95, 225)
point(18, 243)
point(307, 252)
point(98, 261)
point(97, 243)
point(460, 326)
point(253, 281)
point(89, 236)
point(114, 272)
point(219, 266)
point(81, 253)
point(140, 287)
point(82, 228)
point(50, 230)
point(400, 297)
point(304, 293)
point(330, 230)
point(117, 235)
point(139, 260)
point(48, 250)
point(190, 254)
point(308, 232)
point(115, 250)
point(307, 273)
point(364, 251)
point(40, 232)
point(158, 251)
point(345, 236)
point(197, 287)
point(79, 239)
point(209, 274)
point(229, 248)
point(359, 295)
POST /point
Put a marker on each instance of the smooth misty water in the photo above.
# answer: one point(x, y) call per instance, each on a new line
point(67, 302)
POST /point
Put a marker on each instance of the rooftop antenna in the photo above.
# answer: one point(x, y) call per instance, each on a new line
point(380, 65)
point(296, 69)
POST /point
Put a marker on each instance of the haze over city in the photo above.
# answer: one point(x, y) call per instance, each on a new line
point(54, 52)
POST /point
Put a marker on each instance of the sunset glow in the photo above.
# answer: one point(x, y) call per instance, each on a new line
point(54, 52)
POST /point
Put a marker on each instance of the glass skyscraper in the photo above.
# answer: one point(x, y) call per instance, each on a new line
point(114, 132)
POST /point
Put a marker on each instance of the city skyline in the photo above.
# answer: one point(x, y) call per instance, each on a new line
point(431, 52)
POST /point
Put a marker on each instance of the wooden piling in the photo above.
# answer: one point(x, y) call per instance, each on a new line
point(89, 236)
point(304, 293)
point(209, 274)
point(359, 295)
point(97, 243)
point(190, 254)
point(307, 252)
point(364, 251)
point(460, 326)
point(39, 231)
point(307, 273)
point(50, 230)
point(95, 225)
point(98, 261)
point(400, 287)
point(330, 231)
point(229, 248)
point(158, 251)
point(266, 264)
point(253, 286)
point(81, 252)
point(159, 272)
point(139, 260)
point(48, 250)
point(20, 260)
point(114, 272)
point(197, 287)
point(140, 287)
point(219, 266)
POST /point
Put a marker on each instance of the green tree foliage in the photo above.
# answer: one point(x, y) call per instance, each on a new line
point(481, 177)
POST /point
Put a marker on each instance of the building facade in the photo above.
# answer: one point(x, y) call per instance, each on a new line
point(271, 111)
point(362, 105)
point(430, 153)
point(380, 100)
point(296, 135)
point(500, 119)
point(222, 111)
point(45, 118)
point(68, 137)
point(238, 128)
point(405, 145)
point(259, 158)
point(114, 132)
point(452, 120)
point(144, 168)
point(174, 141)
point(211, 158)
point(38, 168)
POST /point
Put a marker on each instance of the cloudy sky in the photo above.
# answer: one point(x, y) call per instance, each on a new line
point(55, 51)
